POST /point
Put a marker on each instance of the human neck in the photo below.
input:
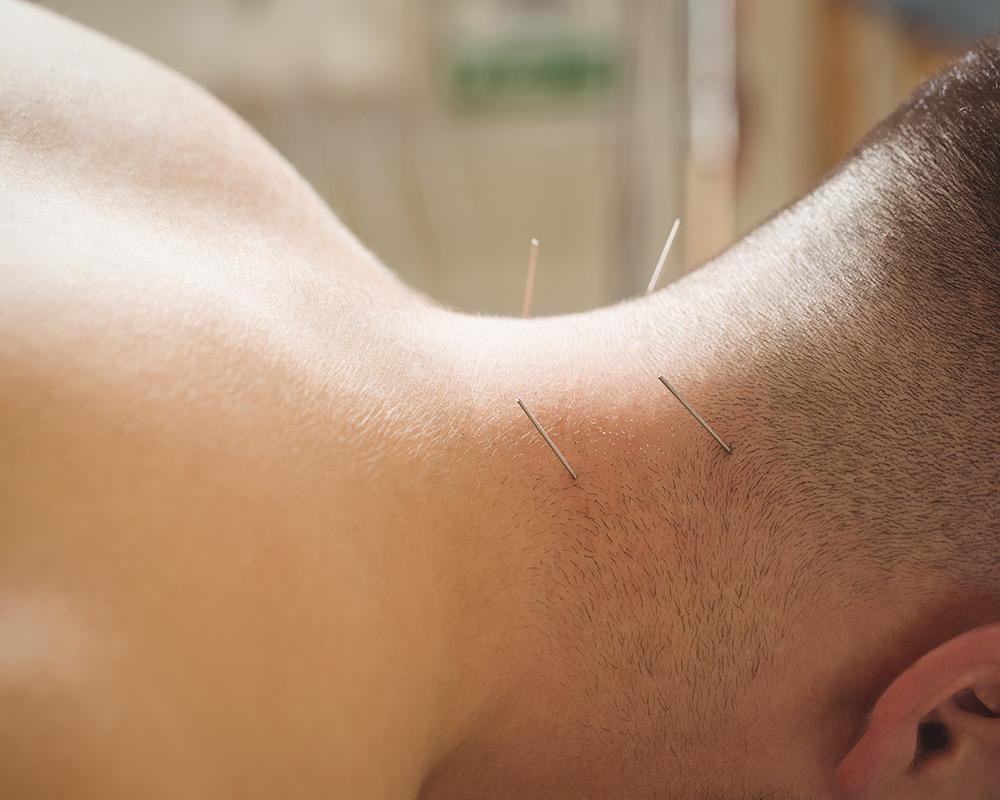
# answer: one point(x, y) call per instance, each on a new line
point(516, 532)
point(521, 530)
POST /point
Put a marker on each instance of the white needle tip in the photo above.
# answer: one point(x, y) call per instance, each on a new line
point(529, 285)
point(663, 256)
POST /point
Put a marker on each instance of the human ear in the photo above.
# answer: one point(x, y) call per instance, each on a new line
point(935, 732)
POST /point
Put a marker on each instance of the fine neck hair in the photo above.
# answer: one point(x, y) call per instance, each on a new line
point(847, 349)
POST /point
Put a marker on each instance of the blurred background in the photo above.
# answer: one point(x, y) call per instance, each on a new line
point(447, 133)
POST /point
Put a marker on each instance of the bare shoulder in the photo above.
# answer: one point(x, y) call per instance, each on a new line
point(89, 115)
point(110, 159)
point(155, 252)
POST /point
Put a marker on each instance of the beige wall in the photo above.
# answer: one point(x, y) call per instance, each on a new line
point(351, 92)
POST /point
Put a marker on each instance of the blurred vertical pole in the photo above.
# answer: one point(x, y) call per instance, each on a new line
point(438, 183)
point(626, 206)
point(786, 108)
point(714, 129)
point(649, 141)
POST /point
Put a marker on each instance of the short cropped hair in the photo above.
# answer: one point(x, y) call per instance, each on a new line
point(890, 420)
point(868, 451)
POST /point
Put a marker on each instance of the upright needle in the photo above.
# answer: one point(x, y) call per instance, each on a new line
point(529, 286)
point(548, 439)
point(663, 256)
point(696, 415)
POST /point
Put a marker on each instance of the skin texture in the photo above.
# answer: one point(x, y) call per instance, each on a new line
point(273, 525)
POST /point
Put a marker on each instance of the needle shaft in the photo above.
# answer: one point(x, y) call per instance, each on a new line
point(696, 415)
point(548, 439)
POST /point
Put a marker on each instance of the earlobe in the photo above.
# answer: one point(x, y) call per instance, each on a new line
point(935, 731)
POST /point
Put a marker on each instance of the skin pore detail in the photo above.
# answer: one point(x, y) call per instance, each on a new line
point(274, 525)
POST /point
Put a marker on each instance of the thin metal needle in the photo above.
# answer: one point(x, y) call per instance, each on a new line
point(696, 415)
point(548, 439)
point(663, 256)
point(529, 286)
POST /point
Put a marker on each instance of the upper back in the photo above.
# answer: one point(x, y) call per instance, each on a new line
point(185, 332)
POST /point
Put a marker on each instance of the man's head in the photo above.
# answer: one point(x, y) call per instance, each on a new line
point(272, 524)
point(722, 626)
point(880, 419)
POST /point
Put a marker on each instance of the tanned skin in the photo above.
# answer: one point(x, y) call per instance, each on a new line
point(272, 524)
